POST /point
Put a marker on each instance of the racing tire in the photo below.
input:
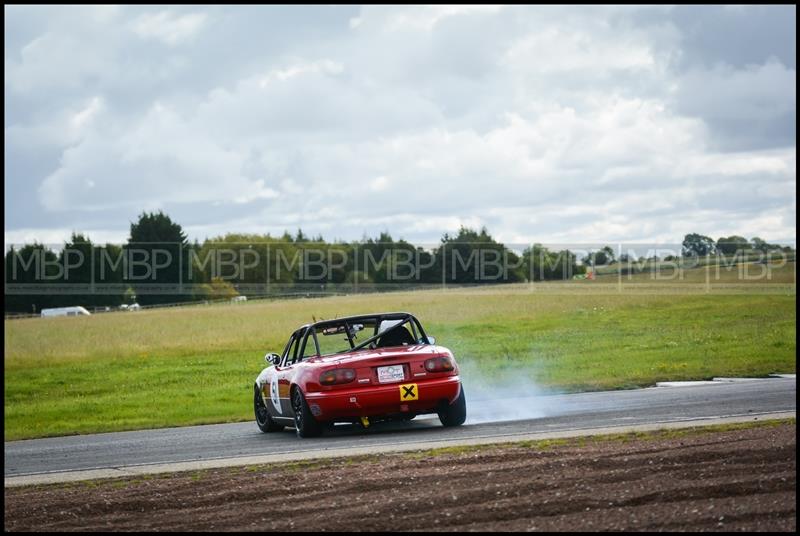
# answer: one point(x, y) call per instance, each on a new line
point(263, 420)
point(304, 422)
point(456, 413)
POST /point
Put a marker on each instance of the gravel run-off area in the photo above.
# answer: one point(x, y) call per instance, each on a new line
point(742, 478)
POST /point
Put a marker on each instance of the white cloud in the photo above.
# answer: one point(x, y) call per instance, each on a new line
point(379, 184)
point(169, 27)
point(55, 61)
point(57, 131)
point(257, 190)
point(55, 237)
point(766, 163)
point(280, 75)
point(160, 159)
point(555, 50)
point(426, 17)
point(82, 118)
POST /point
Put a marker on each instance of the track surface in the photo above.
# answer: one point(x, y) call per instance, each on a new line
point(559, 413)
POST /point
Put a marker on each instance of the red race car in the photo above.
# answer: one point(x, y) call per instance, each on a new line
point(363, 369)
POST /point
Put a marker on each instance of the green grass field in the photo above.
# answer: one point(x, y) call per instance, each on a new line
point(193, 365)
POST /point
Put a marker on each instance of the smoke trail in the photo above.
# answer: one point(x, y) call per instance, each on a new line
point(506, 394)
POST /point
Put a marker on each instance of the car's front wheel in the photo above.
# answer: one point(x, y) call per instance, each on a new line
point(456, 413)
point(263, 420)
point(304, 422)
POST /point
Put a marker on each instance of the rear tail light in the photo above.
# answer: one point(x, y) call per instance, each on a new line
point(440, 364)
point(335, 376)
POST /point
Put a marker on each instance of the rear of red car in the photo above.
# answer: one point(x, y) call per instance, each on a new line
point(377, 383)
point(358, 368)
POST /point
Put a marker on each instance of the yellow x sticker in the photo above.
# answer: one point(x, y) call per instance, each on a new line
point(409, 391)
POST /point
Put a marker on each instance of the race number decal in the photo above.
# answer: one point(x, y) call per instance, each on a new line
point(273, 394)
point(409, 391)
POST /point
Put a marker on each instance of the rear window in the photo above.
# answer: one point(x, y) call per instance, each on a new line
point(333, 338)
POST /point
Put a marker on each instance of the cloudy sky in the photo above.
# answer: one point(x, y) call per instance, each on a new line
point(560, 124)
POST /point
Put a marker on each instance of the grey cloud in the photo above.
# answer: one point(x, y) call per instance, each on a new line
point(737, 35)
point(750, 108)
point(737, 71)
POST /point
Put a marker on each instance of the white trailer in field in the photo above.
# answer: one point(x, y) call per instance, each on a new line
point(66, 311)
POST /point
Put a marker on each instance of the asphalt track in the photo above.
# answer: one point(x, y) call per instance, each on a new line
point(125, 453)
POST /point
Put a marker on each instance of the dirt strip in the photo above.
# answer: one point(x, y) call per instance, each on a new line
point(739, 479)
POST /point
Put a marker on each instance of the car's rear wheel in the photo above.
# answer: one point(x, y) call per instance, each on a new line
point(456, 413)
point(304, 422)
point(263, 420)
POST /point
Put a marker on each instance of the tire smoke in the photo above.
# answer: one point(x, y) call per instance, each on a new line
point(507, 394)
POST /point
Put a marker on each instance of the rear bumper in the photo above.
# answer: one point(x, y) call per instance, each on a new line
point(383, 400)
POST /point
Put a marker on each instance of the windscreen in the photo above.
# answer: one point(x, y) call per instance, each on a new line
point(333, 338)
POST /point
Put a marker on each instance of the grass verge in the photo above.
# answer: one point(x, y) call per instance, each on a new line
point(159, 368)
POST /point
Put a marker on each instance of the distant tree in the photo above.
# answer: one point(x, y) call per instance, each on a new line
point(476, 257)
point(300, 237)
point(600, 258)
point(77, 258)
point(375, 259)
point(219, 289)
point(158, 252)
point(543, 264)
point(760, 244)
point(111, 274)
point(698, 245)
point(26, 268)
point(732, 244)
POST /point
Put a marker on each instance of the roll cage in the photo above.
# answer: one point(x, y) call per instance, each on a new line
point(296, 347)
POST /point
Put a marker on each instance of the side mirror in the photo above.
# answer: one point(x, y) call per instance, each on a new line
point(431, 340)
point(272, 359)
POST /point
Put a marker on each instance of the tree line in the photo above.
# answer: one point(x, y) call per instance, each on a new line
point(699, 245)
point(158, 265)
